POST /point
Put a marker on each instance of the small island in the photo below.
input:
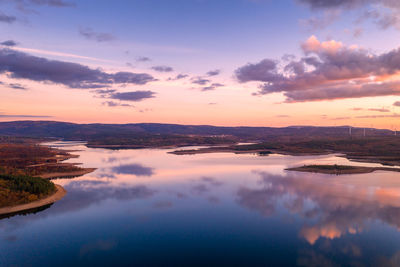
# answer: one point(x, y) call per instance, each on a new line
point(341, 169)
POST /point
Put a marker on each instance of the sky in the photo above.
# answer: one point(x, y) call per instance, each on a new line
point(218, 62)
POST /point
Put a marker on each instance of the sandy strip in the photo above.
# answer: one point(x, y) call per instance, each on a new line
point(59, 194)
point(71, 174)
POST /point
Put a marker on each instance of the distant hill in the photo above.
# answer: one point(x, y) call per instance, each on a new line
point(73, 131)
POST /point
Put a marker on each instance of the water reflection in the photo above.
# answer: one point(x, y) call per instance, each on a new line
point(329, 209)
point(133, 169)
point(147, 207)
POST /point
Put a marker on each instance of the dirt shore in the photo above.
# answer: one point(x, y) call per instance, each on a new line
point(59, 194)
point(71, 174)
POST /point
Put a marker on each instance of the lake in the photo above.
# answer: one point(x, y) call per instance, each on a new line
point(146, 207)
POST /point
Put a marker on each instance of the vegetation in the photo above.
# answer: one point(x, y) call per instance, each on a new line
point(20, 189)
point(341, 169)
point(159, 140)
point(32, 159)
point(378, 149)
point(21, 162)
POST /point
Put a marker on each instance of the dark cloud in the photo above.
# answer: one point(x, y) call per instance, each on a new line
point(396, 104)
point(132, 96)
point(200, 81)
point(178, 77)
point(20, 65)
point(104, 91)
point(329, 70)
point(143, 59)
point(212, 87)
point(6, 18)
point(213, 72)
point(90, 34)
point(264, 71)
point(162, 68)
point(17, 86)
point(9, 43)
point(134, 168)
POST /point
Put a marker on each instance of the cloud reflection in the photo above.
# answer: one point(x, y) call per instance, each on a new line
point(134, 169)
point(333, 209)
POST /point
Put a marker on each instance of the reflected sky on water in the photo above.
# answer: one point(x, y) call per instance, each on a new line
point(148, 207)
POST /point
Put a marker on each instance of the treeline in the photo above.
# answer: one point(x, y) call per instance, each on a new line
point(20, 189)
point(160, 140)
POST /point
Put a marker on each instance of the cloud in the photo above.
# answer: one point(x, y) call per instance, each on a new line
point(52, 3)
point(372, 109)
point(212, 87)
point(379, 109)
point(396, 104)
point(378, 116)
point(6, 18)
point(116, 104)
point(17, 86)
point(264, 71)
point(323, 4)
point(329, 70)
point(135, 169)
point(104, 91)
point(337, 210)
point(90, 34)
point(143, 59)
point(2, 115)
point(132, 96)
point(385, 13)
point(321, 22)
point(178, 77)
point(200, 81)
point(211, 181)
point(9, 43)
point(213, 73)
point(162, 68)
point(19, 65)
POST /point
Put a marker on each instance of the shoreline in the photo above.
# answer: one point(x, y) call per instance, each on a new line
point(340, 169)
point(71, 174)
point(58, 195)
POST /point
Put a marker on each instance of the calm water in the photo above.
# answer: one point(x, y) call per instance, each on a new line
point(147, 207)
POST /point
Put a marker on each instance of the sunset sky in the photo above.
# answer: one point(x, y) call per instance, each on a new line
point(219, 62)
